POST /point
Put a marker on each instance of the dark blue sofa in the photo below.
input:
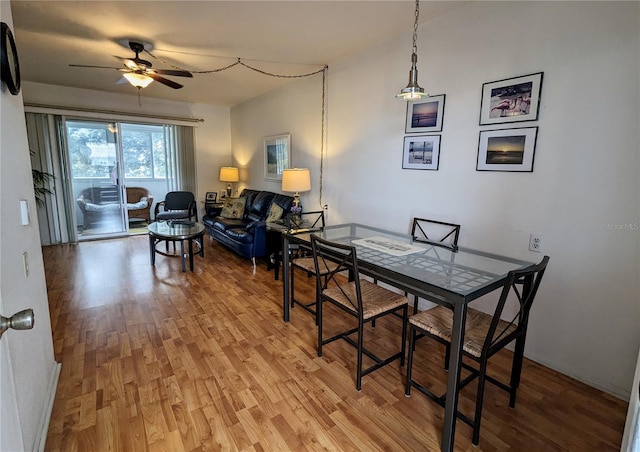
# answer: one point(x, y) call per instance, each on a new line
point(247, 236)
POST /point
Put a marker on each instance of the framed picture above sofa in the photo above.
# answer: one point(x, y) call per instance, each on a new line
point(277, 155)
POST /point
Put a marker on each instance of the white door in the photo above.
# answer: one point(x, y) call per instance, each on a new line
point(28, 371)
point(631, 438)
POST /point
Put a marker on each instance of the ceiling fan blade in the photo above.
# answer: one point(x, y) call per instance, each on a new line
point(176, 73)
point(164, 81)
point(96, 67)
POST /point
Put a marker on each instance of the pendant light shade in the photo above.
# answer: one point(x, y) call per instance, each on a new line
point(413, 91)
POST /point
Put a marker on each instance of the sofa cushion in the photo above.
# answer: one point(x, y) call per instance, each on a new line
point(240, 235)
point(260, 206)
point(283, 201)
point(91, 207)
point(275, 213)
point(138, 205)
point(223, 224)
point(233, 208)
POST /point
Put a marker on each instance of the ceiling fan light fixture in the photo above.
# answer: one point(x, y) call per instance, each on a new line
point(138, 80)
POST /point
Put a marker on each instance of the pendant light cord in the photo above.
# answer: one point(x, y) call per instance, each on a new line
point(415, 28)
point(322, 134)
point(324, 71)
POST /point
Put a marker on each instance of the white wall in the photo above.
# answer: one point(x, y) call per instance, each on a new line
point(213, 136)
point(587, 316)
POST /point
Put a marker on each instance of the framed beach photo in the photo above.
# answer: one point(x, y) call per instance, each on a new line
point(421, 152)
point(507, 149)
point(511, 100)
point(277, 155)
point(425, 115)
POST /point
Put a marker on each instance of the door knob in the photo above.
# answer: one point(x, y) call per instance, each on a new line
point(22, 320)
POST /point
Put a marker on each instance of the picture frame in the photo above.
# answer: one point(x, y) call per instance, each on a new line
point(223, 194)
point(421, 152)
point(277, 155)
point(211, 196)
point(511, 100)
point(510, 150)
point(425, 115)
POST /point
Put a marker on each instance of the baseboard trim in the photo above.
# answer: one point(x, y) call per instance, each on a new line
point(41, 440)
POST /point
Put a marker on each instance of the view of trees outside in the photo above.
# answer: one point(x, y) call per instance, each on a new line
point(144, 152)
point(93, 153)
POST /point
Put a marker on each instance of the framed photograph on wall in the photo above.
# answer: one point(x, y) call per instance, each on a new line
point(421, 152)
point(511, 100)
point(211, 196)
point(507, 149)
point(425, 115)
point(277, 155)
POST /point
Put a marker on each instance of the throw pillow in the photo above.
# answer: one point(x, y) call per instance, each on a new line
point(275, 213)
point(233, 208)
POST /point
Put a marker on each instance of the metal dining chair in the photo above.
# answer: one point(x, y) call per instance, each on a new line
point(356, 297)
point(484, 335)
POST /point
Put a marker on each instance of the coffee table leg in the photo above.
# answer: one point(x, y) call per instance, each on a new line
point(190, 254)
point(184, 268)
point(152, 249)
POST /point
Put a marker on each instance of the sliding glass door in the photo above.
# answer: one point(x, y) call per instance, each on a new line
point(95, 168)
point(107, 176)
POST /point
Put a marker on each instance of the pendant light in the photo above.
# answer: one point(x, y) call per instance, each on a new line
point(413, 91)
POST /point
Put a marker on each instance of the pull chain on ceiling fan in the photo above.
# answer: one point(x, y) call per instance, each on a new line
point(139, 72)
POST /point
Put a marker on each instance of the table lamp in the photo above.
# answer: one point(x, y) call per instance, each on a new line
point(296, 180)
point(229, 174)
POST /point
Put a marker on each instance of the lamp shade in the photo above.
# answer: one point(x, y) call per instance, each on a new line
point(137, 80)
point(296, 179)
point(229, 174)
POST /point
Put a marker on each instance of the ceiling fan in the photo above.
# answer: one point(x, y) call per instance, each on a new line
point(139, 73)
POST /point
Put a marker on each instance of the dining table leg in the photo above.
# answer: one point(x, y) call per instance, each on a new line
point(285, 278)
point(455, 365)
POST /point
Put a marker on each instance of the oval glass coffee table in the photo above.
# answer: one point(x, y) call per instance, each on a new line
point(176, 231)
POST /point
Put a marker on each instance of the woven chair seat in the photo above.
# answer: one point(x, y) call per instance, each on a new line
point(438, 321)
point(375, 299)
point(307, 264)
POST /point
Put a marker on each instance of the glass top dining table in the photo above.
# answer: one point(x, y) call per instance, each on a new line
point(447, 275)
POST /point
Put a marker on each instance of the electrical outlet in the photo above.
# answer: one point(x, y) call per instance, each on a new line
point(535, 243)
point(326, 207)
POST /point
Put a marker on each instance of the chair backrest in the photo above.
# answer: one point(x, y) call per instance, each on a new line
point(524, 285)
point(179, 200)
point(332, 260)
point(436, 232)
point(313, 220)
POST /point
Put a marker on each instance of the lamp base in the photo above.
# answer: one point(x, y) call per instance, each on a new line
point(296, 199)
point(229, 190)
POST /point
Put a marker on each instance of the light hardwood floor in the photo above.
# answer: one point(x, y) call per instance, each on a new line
point(154, 359)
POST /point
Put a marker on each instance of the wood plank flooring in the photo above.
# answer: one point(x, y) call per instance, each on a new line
point(154, 359)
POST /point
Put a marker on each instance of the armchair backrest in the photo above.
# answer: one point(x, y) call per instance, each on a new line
point(179, 200)
point(177, 205)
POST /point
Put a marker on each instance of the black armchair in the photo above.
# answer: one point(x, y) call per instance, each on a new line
point(177, 205)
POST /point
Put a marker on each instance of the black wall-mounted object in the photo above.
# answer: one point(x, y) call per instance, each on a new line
point(9, 61)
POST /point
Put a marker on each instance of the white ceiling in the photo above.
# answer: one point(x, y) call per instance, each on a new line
point(283, 37)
